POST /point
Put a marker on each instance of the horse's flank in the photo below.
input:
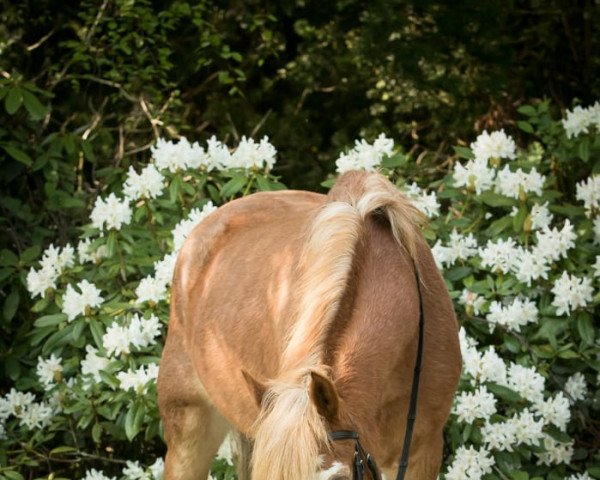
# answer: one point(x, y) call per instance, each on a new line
point(292, 286)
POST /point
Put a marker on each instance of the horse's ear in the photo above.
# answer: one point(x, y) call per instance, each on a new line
point(324, 396)
point(257, 388)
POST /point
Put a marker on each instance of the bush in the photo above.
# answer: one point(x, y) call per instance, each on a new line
point(516, 231)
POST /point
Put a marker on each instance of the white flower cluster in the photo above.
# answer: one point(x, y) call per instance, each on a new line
point(183, 155)
point(470, 464)
point(472, 302)
point(54, 261)
point(459, 247)
point(149, 183)
point(477, 175)
point(132, 471)
point(31, 414)
point(86, 254)
point(92, 365)
point(477, 404)
point(137, 380)
point(580, 120)
point(365, 156)
point(576, 387)
point(494, 145)
point(154, 288)
point(49, 371)
point(570, 293)
point(75, 303)
point(514, 184)
point(521, 428)
point(426, 202)
point(588, 192)
point(111, 213)
point(140, 333)
point(524, 427)
point(555, 452)
point(540, 216)
point(513, 316)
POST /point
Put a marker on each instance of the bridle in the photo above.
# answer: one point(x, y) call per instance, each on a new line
point(361, 456)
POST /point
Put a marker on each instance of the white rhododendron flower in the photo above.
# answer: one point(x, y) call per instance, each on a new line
point(459, 247)
point(164, 268)
point(49, 370)
point(137, 380)
point(470, 464)
point(139, 333)
point(87, 254)
point(554, 411)
point(425, 202)
point(96, 475)
point(588, 192)
point(596, 266)
point(134, 471)
point(580, 476)
point(475, 175)
point(54, 261)
point(151, 289)
point(576, 387)
point(499, 256)
point(472, 301)
point(556, 452)
point(36, 416)
point(75, 303)
point(540, 216)
point(514, 184)
point(93, 364)
point(526, 382)
point(580, 120)
point(570, 293)
point(494, 145)
point(180, 156)
point(513, 316)
point(554, 244)
point(477, 404)
point(149, 183)
point(248, 154)
point(530, 266)
point(185, 227)
point(111, 213)
point(157, 469)
point(365, 156)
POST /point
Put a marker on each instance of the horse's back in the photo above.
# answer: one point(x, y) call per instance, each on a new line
point(233, 283)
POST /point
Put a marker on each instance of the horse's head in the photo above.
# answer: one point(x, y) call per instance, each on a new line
point(293, 432)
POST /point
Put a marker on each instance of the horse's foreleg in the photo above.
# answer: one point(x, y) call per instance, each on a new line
point(194, 430)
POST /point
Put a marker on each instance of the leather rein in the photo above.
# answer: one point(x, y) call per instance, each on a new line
point(361, 456)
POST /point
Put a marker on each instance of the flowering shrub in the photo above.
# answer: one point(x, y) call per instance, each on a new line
point(514, 230)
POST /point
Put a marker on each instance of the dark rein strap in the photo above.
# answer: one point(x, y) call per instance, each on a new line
point(360, 452)
point(414, 393)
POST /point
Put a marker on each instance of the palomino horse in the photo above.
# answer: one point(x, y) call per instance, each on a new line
point(295, 315)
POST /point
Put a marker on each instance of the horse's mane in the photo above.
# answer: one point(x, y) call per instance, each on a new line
point(290, 431)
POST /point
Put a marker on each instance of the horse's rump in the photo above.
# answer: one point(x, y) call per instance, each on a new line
point(277, 292)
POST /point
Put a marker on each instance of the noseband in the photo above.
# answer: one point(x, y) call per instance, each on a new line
point(361, 456)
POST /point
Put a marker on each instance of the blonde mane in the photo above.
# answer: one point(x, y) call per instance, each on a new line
point(290, 432)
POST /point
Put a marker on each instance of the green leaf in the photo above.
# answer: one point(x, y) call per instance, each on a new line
point(63, 449)
point(31, 254)
point(13, 100)
point(495, 200)
point(97, 331)
point(12, 475)
point(233, 186)
point(97, 432)
point(263, 184)
point(457, 273)
point(585, 328)
point(519, 219)
point(584, 150)
point(130, 430)
point(395, 160)
point(10, 305)
point(18, 155)
point(527, 110)
point(464, 152)
point(525, 126)
point(34, 106)
point(504, 392)
point(520, 475)
point(50, 320)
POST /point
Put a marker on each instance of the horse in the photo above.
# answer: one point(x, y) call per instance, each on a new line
point(294, 322)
